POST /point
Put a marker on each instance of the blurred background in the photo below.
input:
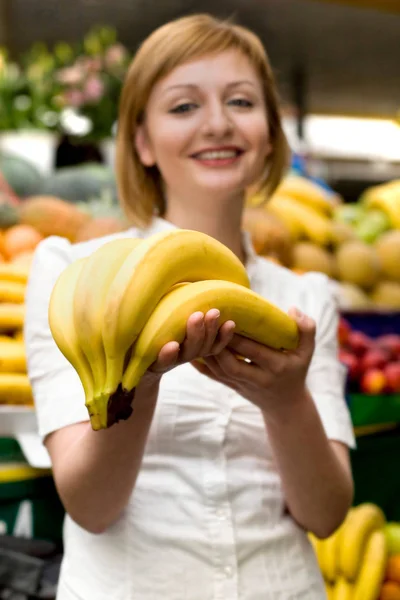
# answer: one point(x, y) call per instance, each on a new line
point(337, 64)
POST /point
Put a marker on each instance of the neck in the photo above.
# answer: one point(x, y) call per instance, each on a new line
point(221, 220)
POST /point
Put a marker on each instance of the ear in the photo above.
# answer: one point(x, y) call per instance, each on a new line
point(143, 147)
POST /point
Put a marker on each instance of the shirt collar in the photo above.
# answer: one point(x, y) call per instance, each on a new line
point(159, 224)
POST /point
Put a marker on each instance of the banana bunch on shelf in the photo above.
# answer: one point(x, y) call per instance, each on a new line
point(15, 388)
point(353, 560)
point(305, 208)
point(110, 313)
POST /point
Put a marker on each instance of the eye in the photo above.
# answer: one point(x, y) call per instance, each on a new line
point(183, 108)
point(241, 102)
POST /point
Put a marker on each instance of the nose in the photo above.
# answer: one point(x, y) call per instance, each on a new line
point(217, 121)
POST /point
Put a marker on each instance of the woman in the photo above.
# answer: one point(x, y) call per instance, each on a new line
point(208, 490)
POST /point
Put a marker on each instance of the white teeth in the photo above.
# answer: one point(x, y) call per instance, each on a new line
point(217, 154)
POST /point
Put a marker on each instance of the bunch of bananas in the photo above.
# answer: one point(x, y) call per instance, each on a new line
point(110, 313)
point(304, 207)
point(14, 383)
point(353, 560)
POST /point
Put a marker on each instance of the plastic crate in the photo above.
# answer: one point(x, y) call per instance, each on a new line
point(375, 472)
point(374, 410)
point(29, 503)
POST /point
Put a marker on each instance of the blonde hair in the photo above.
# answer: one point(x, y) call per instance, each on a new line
point(140, 188)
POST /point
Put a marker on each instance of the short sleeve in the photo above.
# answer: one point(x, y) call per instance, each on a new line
point(57, 390)
point(326, 378)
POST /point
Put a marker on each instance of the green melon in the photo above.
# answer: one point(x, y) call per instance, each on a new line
point(82, 183)
point(21, 175)
point(8, 214)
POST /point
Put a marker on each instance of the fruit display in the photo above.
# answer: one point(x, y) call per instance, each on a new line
point(112, 341)
point(358, 245)
point(354, 560)
point(373, 363)
point(16, 249)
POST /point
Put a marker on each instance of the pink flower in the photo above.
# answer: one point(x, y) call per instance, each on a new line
point(71, 75)
point(115, 55)
point(74, 98)
point(90, 65)
point(93, 90)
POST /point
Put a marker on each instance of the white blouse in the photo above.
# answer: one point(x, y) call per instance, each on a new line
point(206, 519)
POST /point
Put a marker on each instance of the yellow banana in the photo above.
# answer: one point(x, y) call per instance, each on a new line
point(18, 335)
point(255, 318)
point(372, 573)
point(387, 199)
point(14, 272)
point(308, 193)
point(7, 338)
point(147, 274)
point(278, 209)
point(91, 290)
point(12, 316)
point(15, 388)
point(12, 291)
point(311, 224)
point(12, 357)
point(343, 590)
point(363, 520)
point(61, 321)
point(317, 545)
point(330, 590)
point(330, 556)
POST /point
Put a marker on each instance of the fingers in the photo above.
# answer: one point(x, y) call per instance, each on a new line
point(195, 336)
point(307, 330)
point(223, 338)
point(167, 358)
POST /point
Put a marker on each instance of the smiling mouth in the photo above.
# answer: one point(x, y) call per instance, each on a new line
point(218, 154)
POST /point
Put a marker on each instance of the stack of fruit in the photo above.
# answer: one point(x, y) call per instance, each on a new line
point(354, 560)
point(112, 341)
point(16, 246)
point(391, 586)
point(357, 244)
point(373, 363)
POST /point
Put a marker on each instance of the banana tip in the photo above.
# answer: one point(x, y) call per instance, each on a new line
point(119, 407)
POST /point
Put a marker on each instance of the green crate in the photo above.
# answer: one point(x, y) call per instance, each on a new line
point(374, 410)
point(375, 471)
point(29, 503)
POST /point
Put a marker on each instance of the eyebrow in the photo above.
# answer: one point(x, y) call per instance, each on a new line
point(194, 86)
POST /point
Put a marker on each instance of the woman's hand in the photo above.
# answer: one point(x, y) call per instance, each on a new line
point(274, 379)
point(204, 337)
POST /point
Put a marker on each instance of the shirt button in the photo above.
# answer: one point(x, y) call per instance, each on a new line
point(221, 514)
point(228, 571)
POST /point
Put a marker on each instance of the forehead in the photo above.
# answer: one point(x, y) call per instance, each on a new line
point(221, 68)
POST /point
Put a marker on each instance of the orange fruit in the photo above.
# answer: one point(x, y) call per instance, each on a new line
point(393, 568)
point(390, 591)
point(20, 238)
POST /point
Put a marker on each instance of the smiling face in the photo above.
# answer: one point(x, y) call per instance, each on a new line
point(206, 128)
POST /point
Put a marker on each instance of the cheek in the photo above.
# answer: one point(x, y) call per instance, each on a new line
point(170, 139)
point(257, 132)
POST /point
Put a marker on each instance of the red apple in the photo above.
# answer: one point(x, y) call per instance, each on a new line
point(359, 343)
point(375, 358)
point(392, 374)
point(352, 363)
point(343, 331)
point(391, 343)
point(373, 381)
